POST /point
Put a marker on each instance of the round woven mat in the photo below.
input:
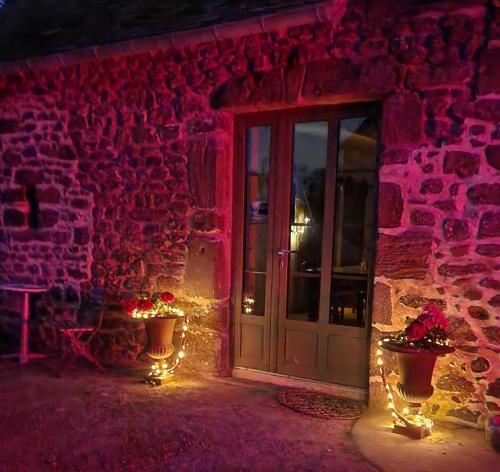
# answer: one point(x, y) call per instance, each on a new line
point(320, 405)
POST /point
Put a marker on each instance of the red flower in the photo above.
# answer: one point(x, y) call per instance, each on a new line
point(167, 297)
point(129, 305)
point(434, 313)
point(145, 305)
point(443, 323)
point(428, 320)
point(416, 331)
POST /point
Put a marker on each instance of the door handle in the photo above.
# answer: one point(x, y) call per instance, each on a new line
point(283, 252)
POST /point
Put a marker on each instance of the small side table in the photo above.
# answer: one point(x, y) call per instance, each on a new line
point(24, 354)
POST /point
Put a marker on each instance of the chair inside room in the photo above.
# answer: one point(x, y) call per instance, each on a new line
point(76, 339)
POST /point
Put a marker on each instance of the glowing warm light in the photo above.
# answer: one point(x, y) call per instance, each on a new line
point(157, 312)
point(248, 304)
point(404, 418)
point(160, 370)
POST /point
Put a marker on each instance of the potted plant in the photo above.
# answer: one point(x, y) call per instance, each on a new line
point(417, 347)
point(160, 316)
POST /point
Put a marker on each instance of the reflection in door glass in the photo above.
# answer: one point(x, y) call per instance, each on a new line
point(256, 220)
point(354, 220)
point(306, 219)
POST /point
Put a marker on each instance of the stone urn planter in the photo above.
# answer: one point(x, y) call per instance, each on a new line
point(417, 348)
point(159, 316)
point(160, 333)
point(416, 367)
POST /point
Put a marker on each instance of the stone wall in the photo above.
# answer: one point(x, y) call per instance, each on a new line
point(130, 159)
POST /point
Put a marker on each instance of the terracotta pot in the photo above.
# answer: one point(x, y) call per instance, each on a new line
point(415, 376)
point(160, 332)
point(416, 367)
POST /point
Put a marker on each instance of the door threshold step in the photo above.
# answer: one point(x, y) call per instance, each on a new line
point(354, 393)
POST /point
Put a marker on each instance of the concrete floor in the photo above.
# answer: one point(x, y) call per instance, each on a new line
point(92, 422)
point(451, 448)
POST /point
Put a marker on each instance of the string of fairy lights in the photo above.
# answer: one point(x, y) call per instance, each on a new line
point(161, 369)
point(415, 420)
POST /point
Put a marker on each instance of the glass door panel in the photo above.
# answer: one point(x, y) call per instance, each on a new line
point(354, 220)
point(304, 191)
point(306, 219)
point(256, 220)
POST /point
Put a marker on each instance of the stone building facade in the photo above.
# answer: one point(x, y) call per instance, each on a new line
point(116, 171)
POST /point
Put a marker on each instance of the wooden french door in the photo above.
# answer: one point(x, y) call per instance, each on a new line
point(304, 227)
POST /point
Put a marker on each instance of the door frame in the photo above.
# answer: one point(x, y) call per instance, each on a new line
point(276, 292)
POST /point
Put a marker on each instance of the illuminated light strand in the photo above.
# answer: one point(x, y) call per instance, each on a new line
point(419, 419)
point(159, 312)
point(248, 304)
point(160, 369)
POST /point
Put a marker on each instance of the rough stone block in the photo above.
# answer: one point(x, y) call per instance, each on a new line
point(206, 269)
point(202, 164)
point(484, 194)
point(452, 382)
point(489, 72)
point(459, 251)
point(488, 250)
point(432, 75)
point(402, 120)
point(463, 164)
point(494, 388)
point(492, 333)
point(478, 312)
point(489, 282)
point(394, 156)
point(9, 125)
point(294, 76)
point(29, 176)
point(331, 77)
point(382, 304)
point(489, 225)
point(81, 236)
point(48, 218)
point(12, 195)
point(422, 218)
point(455, 230)
point(66, 153)
point(405, 256)
point(485, 109)
point(379, 76)
point(464, 414)
point(460, 331)
point(480, 364)
point(432, 186)
point(452, 270)
point(494, 301)
point(48, 195)
point(416, 301)
point(13, 217)
point(390, 206)
point(493, 156)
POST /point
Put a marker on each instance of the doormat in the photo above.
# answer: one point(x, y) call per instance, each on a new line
point(320, 405)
